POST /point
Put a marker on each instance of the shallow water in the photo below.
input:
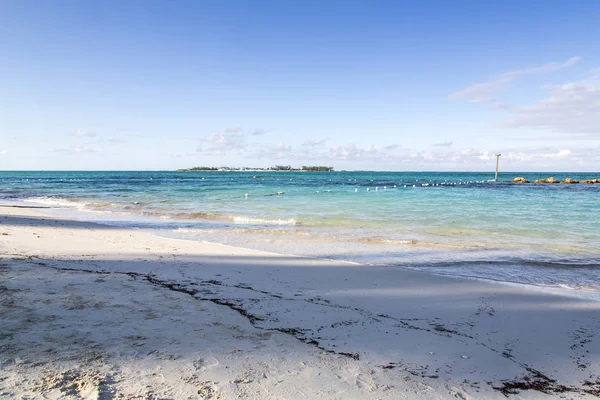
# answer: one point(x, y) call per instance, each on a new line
point(453, 223)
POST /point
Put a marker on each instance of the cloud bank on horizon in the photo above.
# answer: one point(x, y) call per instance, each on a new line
point(216, 85)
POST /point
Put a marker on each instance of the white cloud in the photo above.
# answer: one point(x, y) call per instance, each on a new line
point(352, 152)
point(500, 106)
point(116, 140)
point(559, 154)
point(286, 148)
point(315, 143)
point(473, 154)
point(234, 129)
point(75, 150)
point(550, 67)
point(80, 133)
point(486, 91)
point(550, 158)
point(81, 149)
point(3, 152)
point(444, 156)
point(258, 132)
point(481, 92)
point(275, 152)
point(570, 108)
point(387, 155)
point(222, 143)
point(475, 158)
point(482, 159)
point(180, 155)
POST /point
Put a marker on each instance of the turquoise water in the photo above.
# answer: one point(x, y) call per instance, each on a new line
point(458, 223)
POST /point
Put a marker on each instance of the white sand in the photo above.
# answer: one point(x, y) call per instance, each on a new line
point(97, 312)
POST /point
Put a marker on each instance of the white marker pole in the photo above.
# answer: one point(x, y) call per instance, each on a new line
point(497, 158)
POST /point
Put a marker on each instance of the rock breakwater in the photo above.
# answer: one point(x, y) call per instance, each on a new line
point(520, 179)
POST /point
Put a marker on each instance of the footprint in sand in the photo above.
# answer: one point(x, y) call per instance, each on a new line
point(208, 390)
point(202, 364)
point(458, 392)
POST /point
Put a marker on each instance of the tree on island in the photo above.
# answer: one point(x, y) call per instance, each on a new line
point(317, 168)
point(282, 168)
point(307, 168)
point(198, 169)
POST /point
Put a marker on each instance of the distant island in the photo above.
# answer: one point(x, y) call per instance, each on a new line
point(305, 168)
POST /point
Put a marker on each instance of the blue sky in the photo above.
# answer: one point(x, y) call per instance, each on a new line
point(427, 85)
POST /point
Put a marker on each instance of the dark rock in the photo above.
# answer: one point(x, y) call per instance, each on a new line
point(546, 180)
point(570, 180)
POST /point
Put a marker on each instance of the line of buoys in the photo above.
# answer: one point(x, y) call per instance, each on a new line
point(356, 190)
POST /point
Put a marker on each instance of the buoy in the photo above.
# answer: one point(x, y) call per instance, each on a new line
point(356, 190)
point(246, 195)
point(368, 190)
point(385, 187)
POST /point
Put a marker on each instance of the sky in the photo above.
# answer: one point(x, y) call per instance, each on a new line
point(376, 85)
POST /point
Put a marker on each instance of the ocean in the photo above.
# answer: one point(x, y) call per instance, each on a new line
point(452, 223)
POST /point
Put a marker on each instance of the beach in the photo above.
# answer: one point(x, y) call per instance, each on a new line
point(98, 311)
point(294, 200)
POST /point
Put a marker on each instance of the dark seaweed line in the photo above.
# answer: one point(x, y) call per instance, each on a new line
point(534, 381)
point(176, 287)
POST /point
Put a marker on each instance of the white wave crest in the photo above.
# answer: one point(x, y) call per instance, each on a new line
point(261, 221)
point(55, 202)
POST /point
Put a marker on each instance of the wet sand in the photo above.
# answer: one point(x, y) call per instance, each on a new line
point(98, 312)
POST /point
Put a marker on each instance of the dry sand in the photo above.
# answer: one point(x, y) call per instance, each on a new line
point(98, 312)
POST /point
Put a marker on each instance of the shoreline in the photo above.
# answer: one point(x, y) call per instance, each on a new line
point(585, 294)
point(346, 331)
point(557, 289)
point(560, 290)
